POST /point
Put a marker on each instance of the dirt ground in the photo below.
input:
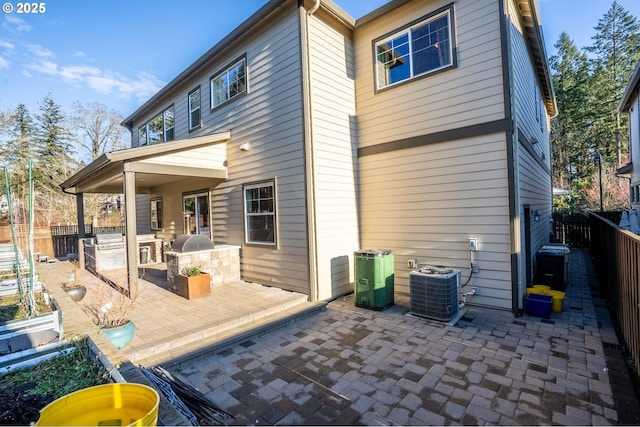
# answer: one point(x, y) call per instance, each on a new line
point(19, 410)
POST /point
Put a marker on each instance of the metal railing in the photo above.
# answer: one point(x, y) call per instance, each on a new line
point(65, 237)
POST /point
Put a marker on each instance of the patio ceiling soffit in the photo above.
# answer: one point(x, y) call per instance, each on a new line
point(105, 174)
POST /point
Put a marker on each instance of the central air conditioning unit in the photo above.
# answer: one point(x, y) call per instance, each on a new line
point(434, 292)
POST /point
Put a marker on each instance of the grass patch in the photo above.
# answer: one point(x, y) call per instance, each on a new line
point(12, 309)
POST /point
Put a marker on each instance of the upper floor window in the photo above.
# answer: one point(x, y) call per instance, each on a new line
point(194, 108)
point(229, 83)
point(423, 48)
point(161, 128)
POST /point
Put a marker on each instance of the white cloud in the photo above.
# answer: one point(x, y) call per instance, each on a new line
point(14, 23)
point(3, 63)
point(142, 87)
point(7, 45)
point(39, 51)
point(104, 82)
point(77, 73)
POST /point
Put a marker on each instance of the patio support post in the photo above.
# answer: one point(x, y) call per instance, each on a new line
point(129, 185)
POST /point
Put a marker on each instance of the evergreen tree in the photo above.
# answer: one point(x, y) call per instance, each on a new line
point(570, 129)
point(616, 53)
point(17, 152)
point(53, 144)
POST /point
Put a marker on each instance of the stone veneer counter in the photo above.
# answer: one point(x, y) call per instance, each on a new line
point(222, 263)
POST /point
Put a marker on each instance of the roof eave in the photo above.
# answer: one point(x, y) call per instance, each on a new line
point(134, 153)
point(632, 87)
point(530, 17)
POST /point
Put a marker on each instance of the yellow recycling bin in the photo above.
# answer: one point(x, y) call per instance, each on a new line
point(116, 404)
point(558, 300)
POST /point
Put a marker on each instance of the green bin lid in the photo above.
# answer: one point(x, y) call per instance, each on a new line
point(373, 252)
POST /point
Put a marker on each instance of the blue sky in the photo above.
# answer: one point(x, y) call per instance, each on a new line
point(120, 52)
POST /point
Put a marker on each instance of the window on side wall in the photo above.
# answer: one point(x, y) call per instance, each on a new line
point(423, 48)
point(156, 213)
point(161, 128)
point(260, 213)
point(229, 83)
point(194, 109)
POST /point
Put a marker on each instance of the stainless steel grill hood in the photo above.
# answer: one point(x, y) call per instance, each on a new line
point(191, 243)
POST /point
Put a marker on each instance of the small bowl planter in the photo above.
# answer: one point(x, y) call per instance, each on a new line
point(76, 292)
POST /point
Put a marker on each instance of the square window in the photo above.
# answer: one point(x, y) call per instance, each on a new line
point(229, 83)
point(418, 50)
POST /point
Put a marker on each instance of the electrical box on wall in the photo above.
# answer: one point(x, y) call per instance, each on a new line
point(473, 244)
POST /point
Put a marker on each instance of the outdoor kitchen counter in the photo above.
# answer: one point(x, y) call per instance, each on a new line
point(222, 262)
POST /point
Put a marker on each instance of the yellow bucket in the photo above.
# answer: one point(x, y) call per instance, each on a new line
point(104, 405)
point(557, 302)
point(538, 289)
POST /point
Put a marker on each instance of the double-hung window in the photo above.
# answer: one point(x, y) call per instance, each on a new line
point(422, 48)
point(194, 109)
point(260, 213)
point(161, 128)
point(229, 83)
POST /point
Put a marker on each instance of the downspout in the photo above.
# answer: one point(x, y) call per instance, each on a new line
point(309, 169)
point(514, 217)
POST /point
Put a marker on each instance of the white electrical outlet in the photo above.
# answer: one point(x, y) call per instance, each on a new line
point(473, 244)
point(412, 263)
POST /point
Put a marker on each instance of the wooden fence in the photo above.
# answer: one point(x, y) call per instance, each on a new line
point(574, 230)
point(616, 259)
point(65, 237)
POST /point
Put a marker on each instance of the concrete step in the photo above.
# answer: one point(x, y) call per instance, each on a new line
point(198, 344)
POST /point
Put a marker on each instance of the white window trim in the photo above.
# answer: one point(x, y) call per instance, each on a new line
point(226, 70)
point(193, 126)
point(452, 62)
point(246, 214)
point(165, 128)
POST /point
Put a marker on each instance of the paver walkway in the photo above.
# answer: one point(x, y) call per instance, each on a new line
point(350, 365)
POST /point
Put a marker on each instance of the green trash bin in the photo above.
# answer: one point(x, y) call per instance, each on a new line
point(374, 276)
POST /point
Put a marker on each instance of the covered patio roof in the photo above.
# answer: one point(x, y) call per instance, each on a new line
point(139, 170)
point(153, 165)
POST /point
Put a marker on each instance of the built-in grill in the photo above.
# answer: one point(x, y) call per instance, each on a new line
point(109, 241)
point(105, 251)
point(191, 243)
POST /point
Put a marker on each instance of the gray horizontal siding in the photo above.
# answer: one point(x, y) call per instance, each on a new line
point(268, 117)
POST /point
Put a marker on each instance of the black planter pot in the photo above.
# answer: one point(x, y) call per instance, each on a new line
point(76, 293)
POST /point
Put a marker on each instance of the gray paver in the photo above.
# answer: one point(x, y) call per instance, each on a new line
point(349, 365)
point(490, 369)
